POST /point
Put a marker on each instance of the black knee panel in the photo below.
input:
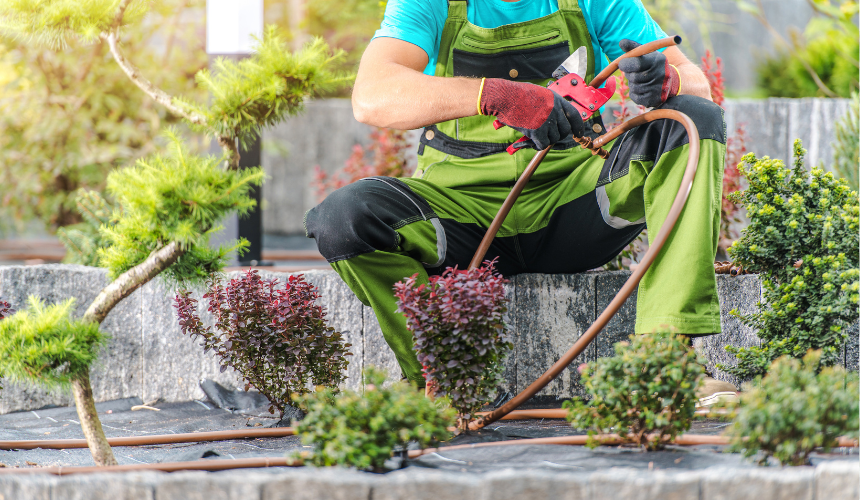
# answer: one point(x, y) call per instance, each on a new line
point(362, 217)
point(708, 117)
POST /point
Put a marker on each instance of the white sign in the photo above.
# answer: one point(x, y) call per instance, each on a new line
point(231, 25)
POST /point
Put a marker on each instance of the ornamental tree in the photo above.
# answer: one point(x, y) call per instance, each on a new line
point(458, 323)
point(802, 239)
point(648, 387)
point(169, 205)
point(275, 336)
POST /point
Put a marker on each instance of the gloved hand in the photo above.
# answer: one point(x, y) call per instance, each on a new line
point(652, 79)
point(540, 114)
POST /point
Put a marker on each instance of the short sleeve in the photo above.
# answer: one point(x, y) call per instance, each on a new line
point(615, 20)
point(419, 22)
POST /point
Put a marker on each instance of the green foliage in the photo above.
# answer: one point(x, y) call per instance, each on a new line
point(68, 117)
point(56, 22)
point(83, 240)
point(649, 386)
point(362, 430)
point(802, 239)
point(796, 408)
point(259, 91)
point(43, 345)
point(175, 197)
point(827, 51)
point(846, 148)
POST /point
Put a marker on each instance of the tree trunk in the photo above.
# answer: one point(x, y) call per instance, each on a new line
point(90, 423)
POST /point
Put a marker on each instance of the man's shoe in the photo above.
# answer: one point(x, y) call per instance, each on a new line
point(712, 391)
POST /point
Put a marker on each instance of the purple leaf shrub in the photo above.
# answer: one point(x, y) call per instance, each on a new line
point(275, 337)
point(457, 321)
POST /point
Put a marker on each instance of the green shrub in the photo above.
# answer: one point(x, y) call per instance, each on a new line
point(796, 409)
point(42, 345)
point(362, 430)
point(649, 386)
point(802, 239)
point(84, 239)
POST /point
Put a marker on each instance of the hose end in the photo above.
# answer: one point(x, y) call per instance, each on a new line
point(677, 39)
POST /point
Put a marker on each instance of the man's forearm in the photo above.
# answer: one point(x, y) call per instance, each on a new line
point(400, 97)
point(693, 81)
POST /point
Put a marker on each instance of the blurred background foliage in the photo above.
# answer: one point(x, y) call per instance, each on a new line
point(68, 117)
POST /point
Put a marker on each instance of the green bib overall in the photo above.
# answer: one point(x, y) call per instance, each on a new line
point(577, 212)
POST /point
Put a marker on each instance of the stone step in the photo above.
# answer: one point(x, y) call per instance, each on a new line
point(149, 358)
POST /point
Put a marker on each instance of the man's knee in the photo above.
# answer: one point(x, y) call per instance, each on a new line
point(707, 116)
point(345, 224)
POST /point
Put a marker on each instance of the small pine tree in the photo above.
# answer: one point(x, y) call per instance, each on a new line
point(84, 239)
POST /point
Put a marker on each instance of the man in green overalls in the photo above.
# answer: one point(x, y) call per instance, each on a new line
point(453, 67)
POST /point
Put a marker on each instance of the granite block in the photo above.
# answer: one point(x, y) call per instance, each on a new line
point(837, 480)
point(623, 324)
point(310, 483)
point(512, 484)
point(852, 348)
point(29, 487)
point(103, 487)
point(631, 484)
point(741, 293)
point(758, 484)
point(552, 312)
point(199, 485)
point(417, 484)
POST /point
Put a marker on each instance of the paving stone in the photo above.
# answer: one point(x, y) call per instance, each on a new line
point(552, 312)
point(795, 483)
point(26, 487)
point(318, 484)
point(837, 480)
point(525, 485)
point(199, 485)
point(623, 324)
point(741, 293)
point(109, 486)
point(630, 484)
point(426, 485)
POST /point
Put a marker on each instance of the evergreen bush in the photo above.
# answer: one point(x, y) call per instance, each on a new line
point(362, 430)
point(648, 387)
point(798, 407)
point(802, 239)
point(275, 337)
point(458, 323)
point(84, 239)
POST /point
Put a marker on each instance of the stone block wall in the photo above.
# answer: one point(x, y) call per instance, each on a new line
point(148, 357)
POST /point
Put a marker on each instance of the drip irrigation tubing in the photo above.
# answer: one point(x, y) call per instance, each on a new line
point(188, 437)
point(606, 439)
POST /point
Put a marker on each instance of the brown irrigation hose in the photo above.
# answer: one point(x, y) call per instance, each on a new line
point(638, 51)
point(190, 437)
point(207, 465)
point(632, 282)
point(607, 439)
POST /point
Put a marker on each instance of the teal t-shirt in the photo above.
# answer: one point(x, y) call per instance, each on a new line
point(420, 22)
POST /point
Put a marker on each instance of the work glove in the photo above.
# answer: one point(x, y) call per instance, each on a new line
point(652, 79)
point(540, 114)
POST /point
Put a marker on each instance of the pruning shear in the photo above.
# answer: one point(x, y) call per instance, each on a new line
point(570, 83)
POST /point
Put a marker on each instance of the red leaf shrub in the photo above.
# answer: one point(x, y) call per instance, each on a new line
point(384, 156)
point(457, 320)
point(276, 338)
point(5, 309)
point(714, 72)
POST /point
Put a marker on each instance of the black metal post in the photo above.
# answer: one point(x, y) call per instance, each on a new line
point(251, 225)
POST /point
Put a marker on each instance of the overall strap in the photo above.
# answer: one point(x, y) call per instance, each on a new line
point(568, 5)
point(455, 21)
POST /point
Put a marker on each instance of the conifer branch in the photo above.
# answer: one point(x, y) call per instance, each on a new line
point(131, 280)
point(120, 13)
point(145, 85)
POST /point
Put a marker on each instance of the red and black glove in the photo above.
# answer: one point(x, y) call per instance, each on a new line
point(652, 79)
point(540, 114)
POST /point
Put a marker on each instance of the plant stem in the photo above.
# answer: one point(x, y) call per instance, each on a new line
point(131, 280)
point(90, 424)
point(145, 85)
point(228, 145)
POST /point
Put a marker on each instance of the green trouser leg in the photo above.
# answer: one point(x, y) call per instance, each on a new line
point(371, 276)
point(679, 289)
